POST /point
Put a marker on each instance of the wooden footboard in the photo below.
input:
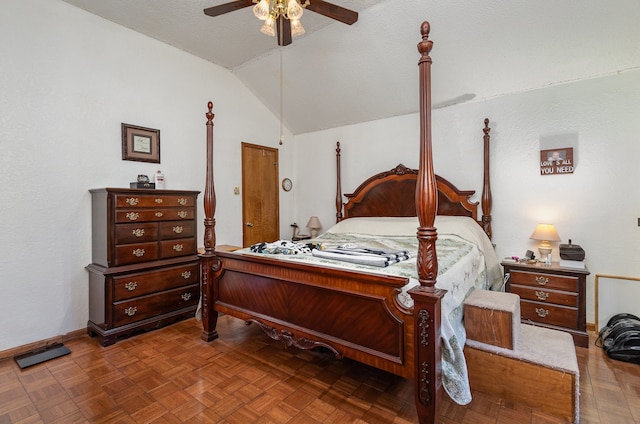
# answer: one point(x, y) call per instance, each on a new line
point(355, 315)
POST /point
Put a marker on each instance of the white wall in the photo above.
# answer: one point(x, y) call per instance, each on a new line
point(597, 206)
point(68, 80)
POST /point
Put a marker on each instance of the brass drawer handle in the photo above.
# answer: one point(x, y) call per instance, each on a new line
point(131, 285)
point(182, 214)
point(178, 229)
point(186, 296)
point(542, 295)
point(178, 247)
point(542, 280)
point(158, 201)
point(131, 311)
point(138, 253)
point(182, 201)
point(132, 201)
point(159, 214)
point(186, 274)
point(542, 313)
point(132, 216)
point(138, 232)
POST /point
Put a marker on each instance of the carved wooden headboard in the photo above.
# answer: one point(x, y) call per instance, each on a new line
point(393, 193)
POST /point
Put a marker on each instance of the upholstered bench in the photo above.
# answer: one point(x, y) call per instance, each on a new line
point(541, 370)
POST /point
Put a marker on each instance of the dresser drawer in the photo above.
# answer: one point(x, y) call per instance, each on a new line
point(545, 295)
point(176, 229)
point(135, 253)
point(143, 283)
point(179, 247)
point(151, 215)
point(136, 233)
point(561, 316)
point(139, 308)
point(543, 280)
point(152, 200)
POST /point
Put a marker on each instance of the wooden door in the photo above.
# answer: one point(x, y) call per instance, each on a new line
point(260, 194)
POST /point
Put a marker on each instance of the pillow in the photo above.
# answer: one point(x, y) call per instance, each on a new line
point(408, 226)
point(382, 226)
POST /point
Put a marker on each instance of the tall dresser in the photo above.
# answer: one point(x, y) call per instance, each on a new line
point(145, 271)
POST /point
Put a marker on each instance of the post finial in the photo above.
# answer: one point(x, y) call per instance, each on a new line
point(424, 46)
point(210, 114)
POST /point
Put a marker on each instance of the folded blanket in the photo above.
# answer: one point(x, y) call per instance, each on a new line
point(378, 261)
point(363, 256)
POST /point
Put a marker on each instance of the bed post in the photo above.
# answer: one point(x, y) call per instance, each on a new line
point(427, 298)
point(486, 188)
point(338, 185)
point(209, 262)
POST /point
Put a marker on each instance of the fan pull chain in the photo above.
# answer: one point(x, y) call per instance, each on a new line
point(281, 101)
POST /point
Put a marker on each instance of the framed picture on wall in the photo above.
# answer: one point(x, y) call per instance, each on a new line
point(140, 144)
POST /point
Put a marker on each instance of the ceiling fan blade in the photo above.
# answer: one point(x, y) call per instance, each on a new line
point(227, 7)
point(283, 31)
point(333, 11)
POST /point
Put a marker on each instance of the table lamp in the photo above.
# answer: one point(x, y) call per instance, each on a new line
point(314, 225)
point(545, 233)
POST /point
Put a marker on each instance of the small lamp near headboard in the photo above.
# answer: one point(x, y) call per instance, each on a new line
point(545, 233)
point(314, 225)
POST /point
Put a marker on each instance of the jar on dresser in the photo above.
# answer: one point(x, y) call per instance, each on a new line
point(145, 271)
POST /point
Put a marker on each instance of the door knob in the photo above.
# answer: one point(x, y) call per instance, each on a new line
point(249, 224)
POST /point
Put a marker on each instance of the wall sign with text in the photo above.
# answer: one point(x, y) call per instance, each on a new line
point(556, 161)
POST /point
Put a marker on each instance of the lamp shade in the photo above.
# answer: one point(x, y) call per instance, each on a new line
point(314, 223)
point(545, 232)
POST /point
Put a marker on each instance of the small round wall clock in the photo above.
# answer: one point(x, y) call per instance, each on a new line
point(287, 184)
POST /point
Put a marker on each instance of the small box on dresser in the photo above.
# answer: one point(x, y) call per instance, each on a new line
point(551, 296)
point(145, 269)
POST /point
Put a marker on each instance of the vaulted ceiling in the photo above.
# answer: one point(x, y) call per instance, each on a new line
point(336, 74)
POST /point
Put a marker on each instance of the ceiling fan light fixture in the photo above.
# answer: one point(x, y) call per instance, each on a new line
point(261, 10)
point(296, 28)
point(294, 10)
point(268, 28)
point(282, 18)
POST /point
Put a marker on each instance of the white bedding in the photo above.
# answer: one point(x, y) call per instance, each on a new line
point(466, 262)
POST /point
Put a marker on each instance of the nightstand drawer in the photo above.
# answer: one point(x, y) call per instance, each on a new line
point(545, 295)
point(561, 316)
point(543, 280)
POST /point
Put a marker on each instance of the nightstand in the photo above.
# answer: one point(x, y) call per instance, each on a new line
point(550, 296)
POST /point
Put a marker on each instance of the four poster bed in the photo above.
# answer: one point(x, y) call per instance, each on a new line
point(354, 313)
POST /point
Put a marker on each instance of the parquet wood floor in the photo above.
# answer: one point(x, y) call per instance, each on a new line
point(171, 376)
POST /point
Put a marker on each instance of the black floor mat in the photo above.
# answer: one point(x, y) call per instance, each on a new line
point(41, 355)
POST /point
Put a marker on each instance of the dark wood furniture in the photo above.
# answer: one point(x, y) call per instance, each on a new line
point(551, 296)
point(353, 314)
point(145, 271)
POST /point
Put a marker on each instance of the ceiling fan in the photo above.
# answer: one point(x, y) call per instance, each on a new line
point(284, 15)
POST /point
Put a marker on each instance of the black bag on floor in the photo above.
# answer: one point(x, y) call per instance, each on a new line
point(620, 338)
